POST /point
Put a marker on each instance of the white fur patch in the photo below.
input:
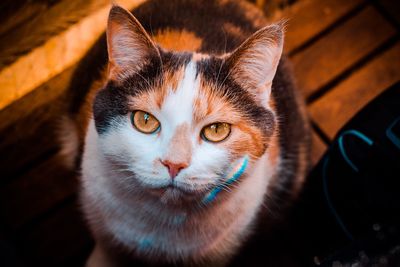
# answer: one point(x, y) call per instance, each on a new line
point(177, 107)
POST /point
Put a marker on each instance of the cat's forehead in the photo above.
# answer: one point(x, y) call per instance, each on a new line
point(177, 104)
point(184, 93)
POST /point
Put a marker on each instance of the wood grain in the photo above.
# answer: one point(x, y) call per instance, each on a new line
point(340, 49)
point(48, 20)
point(35, 192)
point(310, 17)
point(29, 140)
point(333, 110)
point(392, 7)
point(44, 94)
point(54, 56)
point(14, 13)
point(318, 148)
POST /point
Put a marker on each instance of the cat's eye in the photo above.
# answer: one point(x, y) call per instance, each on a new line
point(145, 122)
point(216, 132)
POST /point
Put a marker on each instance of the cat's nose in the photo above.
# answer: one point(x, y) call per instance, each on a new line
point(174, 167)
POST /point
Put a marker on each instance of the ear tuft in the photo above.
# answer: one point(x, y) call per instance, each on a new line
point(253, 64)
point(129, 46)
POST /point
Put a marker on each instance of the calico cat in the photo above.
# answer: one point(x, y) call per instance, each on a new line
point(188, 133)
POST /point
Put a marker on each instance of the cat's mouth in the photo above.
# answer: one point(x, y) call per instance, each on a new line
point(206, 192)
point(176, 195)
point(175, 191)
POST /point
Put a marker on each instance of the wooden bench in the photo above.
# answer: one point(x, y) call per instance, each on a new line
point(344, 53)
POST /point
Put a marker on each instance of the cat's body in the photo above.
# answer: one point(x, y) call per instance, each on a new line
point(129, 207)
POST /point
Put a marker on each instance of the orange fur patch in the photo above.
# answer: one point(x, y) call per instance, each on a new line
point(244, 138)
point(178, 40)
point(170, 82)
point(233, 30)
point(154, 99)
point(274, 150)
point(250, 141)
point(212, 107)
point(146, 102)
point(180, 147)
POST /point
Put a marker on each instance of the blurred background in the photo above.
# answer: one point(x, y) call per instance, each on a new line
point(344, 53)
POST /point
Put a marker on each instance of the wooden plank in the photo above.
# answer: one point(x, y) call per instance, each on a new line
point(49, 19)
point(54, 56)
point(15, 13)
point(30, 125)
point(335, 108)
point(37, 191)
point(318, 148)
point(31, 138)
point(315, 66)
point(392, 7)
point(308, 18)
point(39, 97)
point(55, 239)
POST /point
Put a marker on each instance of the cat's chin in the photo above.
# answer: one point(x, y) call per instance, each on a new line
point(175, 194)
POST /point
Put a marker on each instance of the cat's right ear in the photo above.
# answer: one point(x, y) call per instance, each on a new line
point(129, 45)
point(254, 63)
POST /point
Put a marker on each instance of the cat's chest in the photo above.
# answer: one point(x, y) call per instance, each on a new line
point(177, 235)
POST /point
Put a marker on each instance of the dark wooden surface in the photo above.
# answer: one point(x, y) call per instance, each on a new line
point(344, 53)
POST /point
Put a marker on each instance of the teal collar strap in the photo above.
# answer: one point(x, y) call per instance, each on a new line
point(238, 171)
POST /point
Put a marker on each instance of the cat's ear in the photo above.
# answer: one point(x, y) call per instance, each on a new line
point(253, 64)
point(129, 45)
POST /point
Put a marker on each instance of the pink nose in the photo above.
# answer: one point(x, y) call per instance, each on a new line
point(173, 167)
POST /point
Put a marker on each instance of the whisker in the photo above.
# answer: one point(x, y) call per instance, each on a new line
point(146, 80)
point(226, 187)
point(270, 211)
point(122, 170)
point(222, 62)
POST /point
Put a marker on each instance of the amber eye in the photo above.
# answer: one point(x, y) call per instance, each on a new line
point(145, 122)
point(216, 132)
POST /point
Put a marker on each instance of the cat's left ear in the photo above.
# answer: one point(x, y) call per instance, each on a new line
point(253, 64)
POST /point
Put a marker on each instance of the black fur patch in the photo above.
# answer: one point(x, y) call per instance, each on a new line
point(205, 18)
point(216, 71)
point(111, 102)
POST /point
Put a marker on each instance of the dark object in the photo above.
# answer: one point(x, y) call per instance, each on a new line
point(350, 208)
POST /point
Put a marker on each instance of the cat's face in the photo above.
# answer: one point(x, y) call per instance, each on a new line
point(176, 124)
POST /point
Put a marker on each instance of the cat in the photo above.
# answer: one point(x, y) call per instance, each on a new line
point(188, 132)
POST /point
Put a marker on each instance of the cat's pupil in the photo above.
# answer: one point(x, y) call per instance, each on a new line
point(146, 117)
